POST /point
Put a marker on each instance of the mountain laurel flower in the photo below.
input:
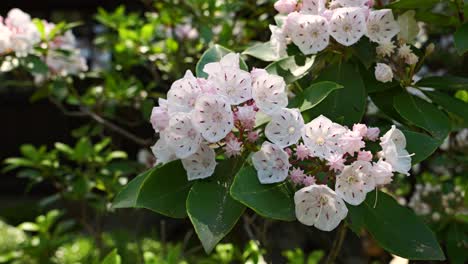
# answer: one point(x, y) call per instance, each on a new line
point(382, 172)
point(233, 148)
point(364, 155)
point(313, 7)
point(213, 117)
point(201, 164)
point(232, 83)
point(354, 182)
point(269, 92)
point(351, 3)
point(336, 162)
point(319, 206)
point(385, 49)
point(348, 25)
point(308, 32)
point(309, 180)
point(372, 133)
point(252, 136)
point(404, 51)
point(361, 129)
point(278, 41)
point(159, 116)
point(297, 176)
point(285, 127)
point(230, 60)
point(383, 73)
point(182, 136)
point(271, 163)
point(285, 6)
point(162, 152)
point(351, 142)
point(302, 152)
point(5, 42)
point(183, 94)
point(246, 116)
point(381, 26)
point(412, 59)
point(322, 137)
point(394, 151)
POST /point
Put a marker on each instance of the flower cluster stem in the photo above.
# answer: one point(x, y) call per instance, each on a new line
point(337, 244)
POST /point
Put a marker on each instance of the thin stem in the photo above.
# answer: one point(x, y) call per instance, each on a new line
point(337, 244)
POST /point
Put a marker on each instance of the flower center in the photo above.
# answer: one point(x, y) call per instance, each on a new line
point(375, 28)
point(347, 28)
point(217, 117)
point(315, 34)
point(291, 130)
point(192, 134)
point(351, 179)
point(323, 200)
point(320, 141)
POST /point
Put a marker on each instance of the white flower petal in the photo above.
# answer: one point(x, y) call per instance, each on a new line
point(213, 117)
point(269, 92)
point(381, 26)
point(182, 136)
point(348, 25)
point(351, 3)
point(308, 32)
point(285, 128)
point(183, 94)
point(233, 83)
point(271, 163)
point(201, 164)
point(162, 152)
point(319, 206)
point(354, 182)
point(322, 137)
point(313, 7)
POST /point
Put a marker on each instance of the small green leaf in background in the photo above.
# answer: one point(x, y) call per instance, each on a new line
point(461, 39)
point(413, 4)
point(35, 65)
point(450, 104)
point(291, 68)
point(409, 28)
point(421, 145)
point(449, 83)
point(457, 239)
point(214, 54)
point(262, 51)
point(274, 201)
point(162, 189)
point(423, 114)
point(395, 228)
point(112, 258)
point(211, 208)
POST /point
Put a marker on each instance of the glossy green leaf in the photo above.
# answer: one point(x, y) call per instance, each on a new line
point(449, 83)
point(364, 50)
point(461, 39)
point(162, 189)
point(421, 145)
point(348, 103)
point(316, 93)
point(291, 68)
point(211, 208)
point(395, 228)
point(274, 201)
point(262, 51)
point(214, 54)
point(423, 114)
point(112, 258)
point(450, 104)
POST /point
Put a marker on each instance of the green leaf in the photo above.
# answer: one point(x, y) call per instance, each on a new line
point(413, 4)
point(211, 208)
point(35, 65)
point(316, 93)
point(262, 51)
point(214, 54)
point(421, 145)
point(395, 228)
point(162, 189)
point(364, 50)
point(274, 201)
point(457, 237)
point(422, 114)
point(112, 258)
point(291, 68)
point(451, 104)
point(64, 148)
point(449, 83)
point(409, 28)
point(348, 103)
point(461, 39)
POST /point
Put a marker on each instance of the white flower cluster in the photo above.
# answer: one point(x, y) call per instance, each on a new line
point(310, 24)
point(430, 200)
point(331, 149)
point(404, 56)
point(201, 114)
point(20, 35)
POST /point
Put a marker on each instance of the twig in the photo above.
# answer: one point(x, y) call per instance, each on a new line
point(247, 221)
point(337, 244)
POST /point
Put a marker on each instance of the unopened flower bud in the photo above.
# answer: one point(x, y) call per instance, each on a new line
point(383, 73)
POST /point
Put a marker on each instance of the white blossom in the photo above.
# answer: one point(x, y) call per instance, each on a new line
point(313, 7)
point(201, 164)
point(348, 25)
point(183, 94)
point(213, 117)
point(383, 73)
point(271, 163)
point(269, 92)
point(381, 26)
point(322, 137)
point(385, 49)
point(162, 152)
point(278, 41)
point(354, 182)
point(232, 83)
point(393, 145)
point(182, 136)
point(308, 32)
point(351, 3)
point(382, 172)
point(319, 206)
point(285, 127)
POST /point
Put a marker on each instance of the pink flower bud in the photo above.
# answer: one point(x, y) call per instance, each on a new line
point(364, 155)
point(159, 117)
point(361, 129)
point(289, 151)
point(252, 136)
point(297, 176)
point(309, 180)
point(285, 6)
point(372, 133)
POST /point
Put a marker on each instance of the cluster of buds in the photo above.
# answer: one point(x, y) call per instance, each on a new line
point(431, 201)
point(202, 115)
point(310, 24)
point(19, 34)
